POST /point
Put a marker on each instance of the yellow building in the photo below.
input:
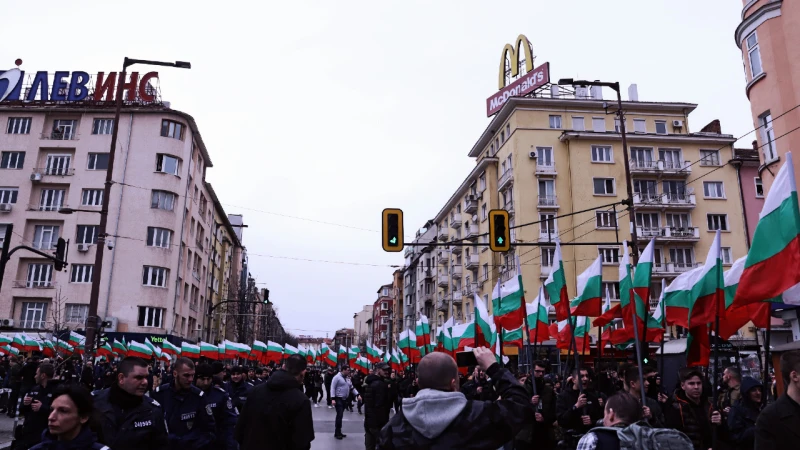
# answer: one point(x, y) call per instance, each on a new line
point(557, 153)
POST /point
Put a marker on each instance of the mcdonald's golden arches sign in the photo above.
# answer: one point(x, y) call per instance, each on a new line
point(533, 79)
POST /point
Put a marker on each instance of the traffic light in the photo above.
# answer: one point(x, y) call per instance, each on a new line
point(61, 255)
point(265, 295)
point(499, 233)
point(392, 230)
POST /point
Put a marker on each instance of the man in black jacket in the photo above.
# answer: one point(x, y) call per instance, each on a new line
point(691, 412)
point(441, 417)
point(128, 420)
point(36, 407)
point(329, 374)
point(478, 387)
point(377, 403)
point(778, 426)
point(277, 415)
point(578, 412)
point(539, 434)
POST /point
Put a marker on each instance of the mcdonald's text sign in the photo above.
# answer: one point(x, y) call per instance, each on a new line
point(526, 84)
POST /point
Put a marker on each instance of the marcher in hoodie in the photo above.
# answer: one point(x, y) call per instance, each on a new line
point(691, 411)
point(377, 403)
point(441, 417)
point(743, 415)
point(68, 422)
point(277, 414)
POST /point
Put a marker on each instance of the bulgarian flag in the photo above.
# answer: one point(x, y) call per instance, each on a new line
point(423, 333)
point(513, 337)
point(75, 339)
point(289, 350)
point(31, 345)
point(150, 345)
point(698, 347)
point(507, 300)
point(138, 350)
point(640, 289)
point(408, 344)
point(463, 336)
point(48, 350)
point(230, 349)
point(362, 365)
point(210, 351)
point(341, 353)
point(311, 355)
point(169, 349)
point(537, 318)
point(590, 284)
point(737, 316)
point(772, 267)
point(373, 352)
point(104, 350)
point(331, 359)
point(19, 341)
point(274, 351)
point(485, 329)
point(61, 346)
point(581, 329)
point(655, 321)
point(161, 356)
point(444, 337)
point(404, 360)
point(259, 350)
point(353, 353)
point(625, 290)
point(556, 286)
point(395, 362)
point(678, 298)
point(190, 350)
point(119, 348)
point(707, 294)
point(5, 341)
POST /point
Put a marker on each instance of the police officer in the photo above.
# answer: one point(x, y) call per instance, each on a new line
point(190, 418)
point(36, 407)
point(128, 419)
point(259, 377)
point(225, 414)
point(238, 387)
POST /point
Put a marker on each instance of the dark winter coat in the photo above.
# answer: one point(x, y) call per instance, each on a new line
point(692, 419)
point(277, 415)
point(742, 417)
point(190, 419)
point(778, 426)
point(128, 422)
point(540, 432)
point(377, 401)
point(470, 389)
point(569, 417)
point(447, 420)
point(35, 421)
point(85, 440)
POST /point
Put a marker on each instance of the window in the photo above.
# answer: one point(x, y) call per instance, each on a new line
point(671, 158)
point(58, 164)
point(678, 221)
point(19, 125)
point(727, 256)
point(617, 126)
point(154, 276)
point(555, 122)
point(40, 275)
point(81, 273)
point(547, 193)
point(610, 255)
point(87, 234)
point(606, 219)
point(717, 222)
point(661, 127)
point(548, 255)
point(508, 130)
point(8, 195)
point(544, 156)
point(577, 124)
point(709, 157)
point(45, 237)
point(674, 190)
point(604, 186)
point(92, 197)
point(612, 288)
point(98, 161)
point(639, 126)
point(63, 130)
point(76, 313)
point(754, 55)
point(12, 160)
point(2, 234)
point(713, 189)
point(162, 200)
point(150, 317)
point(598, 124)
point(547, 225)
point(681, 257)
point(158, 237)
point(171, 129)
point(167, 164)
point(602, 153)
point(485, 275)
point(102, 126)
point(759, 187)
point(483, 212)
point(502, 136)
point(482, 181)
point(642, 157)
point(768, 136)
point(33, 315)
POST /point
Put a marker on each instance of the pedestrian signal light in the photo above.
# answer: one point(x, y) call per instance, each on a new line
point(61, 254)
point(499, 232)
point(392, 230)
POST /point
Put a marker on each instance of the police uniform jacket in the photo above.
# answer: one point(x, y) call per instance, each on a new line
point(225, 416)
point(189, 416)
point(35, 421)
point(132, 426)
point(238, 392)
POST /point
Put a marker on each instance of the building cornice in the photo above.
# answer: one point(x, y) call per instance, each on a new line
point(770, 10)
point(723, 139)
point(456, 197)
point(222, 214)
point(533, 102)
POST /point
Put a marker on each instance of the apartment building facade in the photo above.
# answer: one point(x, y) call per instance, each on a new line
point(362, 324)
point(161, 220)
point(382, 315)
point(544, 157)
point(419, 277)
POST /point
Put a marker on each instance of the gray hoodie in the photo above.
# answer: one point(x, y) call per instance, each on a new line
point(431, 411)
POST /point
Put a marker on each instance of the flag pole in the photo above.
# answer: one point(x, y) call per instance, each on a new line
point(767, 376)
point(528, 336)
point(637, 344)
point(575, 345)
point(599, 347)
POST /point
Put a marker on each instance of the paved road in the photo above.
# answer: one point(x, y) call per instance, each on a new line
point(352, 426)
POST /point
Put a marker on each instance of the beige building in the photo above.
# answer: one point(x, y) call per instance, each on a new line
point(548, 156)
point(362, 324)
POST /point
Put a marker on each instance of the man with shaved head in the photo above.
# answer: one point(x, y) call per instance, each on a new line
point(440, 416)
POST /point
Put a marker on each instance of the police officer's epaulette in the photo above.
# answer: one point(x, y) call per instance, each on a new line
point(220, 389)
point(251, 384)
point(158, 389)
point(155, 402)
point(201, 393)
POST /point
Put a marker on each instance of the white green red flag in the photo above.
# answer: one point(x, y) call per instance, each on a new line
point(507, 300)
point(353, 353)
point(640, 289)
point(485, 328)
point(609, 313)
point(556, 286)
point(407, 342)
point(139, 350)
point(772, 267)
point(75, 339)
point(423, 333)
point(259, 350)
point(373, 352)
point(289, 350)
point(444, 341)
point(538, 319)
point(5, 341)
point(210, 351)
point(655, 320)
point(190, 350)
point(362, 365)
point(274, 351)
point(62, 346)
point(104, 350)
point(737, 316)
point(590, 284)
point(19, 341)
point(119, 348)
point(513, 337)
point(708, 297)
point(169, 348)
point(463, 336)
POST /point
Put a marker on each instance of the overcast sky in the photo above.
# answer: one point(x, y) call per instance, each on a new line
point(332, 111)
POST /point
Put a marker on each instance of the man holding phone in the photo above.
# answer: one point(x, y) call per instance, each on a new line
point(578, 408)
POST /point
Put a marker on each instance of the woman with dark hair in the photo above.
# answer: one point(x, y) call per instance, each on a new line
point(68, 423)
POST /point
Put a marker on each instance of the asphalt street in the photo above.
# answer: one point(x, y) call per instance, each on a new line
point(352, 427)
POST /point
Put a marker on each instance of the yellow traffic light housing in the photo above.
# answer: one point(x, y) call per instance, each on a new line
point(499, 231)
point(392, 232)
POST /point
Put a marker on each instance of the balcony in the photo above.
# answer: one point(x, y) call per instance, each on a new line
point(545, 170)
point(471, 204)
point(547, 202)
point(444, 254)
point(32, 324)
point(456, 271)
point(456, 249)
point(548, 235)
point(34, 284)
point(509, 207)
point(428, 274)
point(443, 304)
point(44, 207)
point(659, 167)
point(408, 252)
point(471, 232)
point(455, 220)
point(506, 179)
point(672, 200)
point(426, 298)
point(444, 233)
point(470, 290)
point(545, 271)
point(676, 167)
point(644, 166)
point(444, 280)
point(671, 269)
point(677, 234)
point(457, 297)
point(60, 135)
point(472, 261)
point(45, 173)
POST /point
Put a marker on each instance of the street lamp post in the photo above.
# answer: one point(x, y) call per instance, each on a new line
point(91, 321)
point(626, 157)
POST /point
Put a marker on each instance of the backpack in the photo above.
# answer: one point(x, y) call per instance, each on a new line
point(640, 436)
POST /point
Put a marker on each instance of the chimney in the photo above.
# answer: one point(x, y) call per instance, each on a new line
point(597, 92)
point(633, 93)
point(712, 127)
